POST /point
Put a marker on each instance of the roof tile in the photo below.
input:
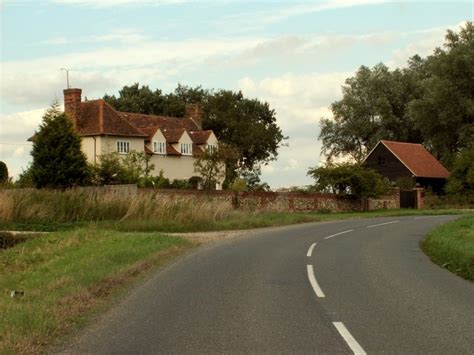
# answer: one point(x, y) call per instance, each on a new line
point(417, 159)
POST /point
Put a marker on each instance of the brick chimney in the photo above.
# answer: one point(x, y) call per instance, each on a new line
point(72, 104)
point(194, 112)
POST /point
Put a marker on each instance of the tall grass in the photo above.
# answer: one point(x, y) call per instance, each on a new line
point(54, 207)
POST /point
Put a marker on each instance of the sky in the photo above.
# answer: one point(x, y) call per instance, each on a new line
point(295, 55)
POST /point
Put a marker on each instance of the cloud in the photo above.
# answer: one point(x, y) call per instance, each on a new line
point(15, 129)
point(114, 3)
point(124, 36)
point(299, 100)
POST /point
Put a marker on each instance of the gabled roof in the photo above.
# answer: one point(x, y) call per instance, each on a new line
point(99, 118)
point(173, 135)
point(416, 158)
point(200, 137)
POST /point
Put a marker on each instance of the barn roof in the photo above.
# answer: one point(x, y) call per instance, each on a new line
point(416, 158)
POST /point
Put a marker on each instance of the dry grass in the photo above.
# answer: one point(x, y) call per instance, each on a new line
point(52, 206)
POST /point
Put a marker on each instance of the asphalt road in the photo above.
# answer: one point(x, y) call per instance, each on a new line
point(373, 291)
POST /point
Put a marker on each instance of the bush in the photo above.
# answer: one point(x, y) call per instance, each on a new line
point(461, 180)
point(349, 179)
point(406, 183)
point(3, 172)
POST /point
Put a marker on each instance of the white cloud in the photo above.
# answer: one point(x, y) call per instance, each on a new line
point(299, 100)
point(15, 129)
point(124, 36)
point(113, 3)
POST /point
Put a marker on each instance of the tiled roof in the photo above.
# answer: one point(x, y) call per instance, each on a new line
point(170, 150)
point(417, 159)
point(197, 150)
point(149, 131)
point(98, 118)
point(140, 120)
point(173, 135)
point(200, 137)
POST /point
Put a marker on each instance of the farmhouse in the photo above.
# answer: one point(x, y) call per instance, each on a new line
point(396, 160)
point(173, 143)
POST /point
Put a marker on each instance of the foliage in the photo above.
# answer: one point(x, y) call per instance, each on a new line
point(461, 180)
point(406, 183)
point(349, 179)
point(248, 125)
point(373, 107)
point(112, 168)
point(156, 182)
point(3, 172)
point(25, 179)
point(430, 101)
point(445, 111)
point(211, 165)
point(57, 157)
point(238, 185)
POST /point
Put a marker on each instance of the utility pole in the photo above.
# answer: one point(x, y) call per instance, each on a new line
point(67, 76)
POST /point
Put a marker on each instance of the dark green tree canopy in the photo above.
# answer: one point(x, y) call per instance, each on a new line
point(247, 125)
point(431, 101)
point(3, 172)
point(58, 161)
point(349, 179)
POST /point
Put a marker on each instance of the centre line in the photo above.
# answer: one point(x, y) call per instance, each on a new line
point(382, 224)
point(333, 235)
point(314, 283)
point(310, 250)
point(353, 344)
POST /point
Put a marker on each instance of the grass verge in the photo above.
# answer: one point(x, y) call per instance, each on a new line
point(452, 246)
point(67, 276)
point(250, 220)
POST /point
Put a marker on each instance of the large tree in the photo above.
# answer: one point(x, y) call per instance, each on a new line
point(445, 111)
point(373, 107)
point(247, 125)
point(58, 161)
point(431, 101)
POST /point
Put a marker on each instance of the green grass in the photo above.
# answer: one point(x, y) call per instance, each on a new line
point(249, 220)
point(66, 276)
point(452, 246)
point(236, 220)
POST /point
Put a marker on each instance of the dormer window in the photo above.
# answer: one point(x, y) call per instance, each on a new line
point(123, 147)
point(186, 148)
point(159, 147)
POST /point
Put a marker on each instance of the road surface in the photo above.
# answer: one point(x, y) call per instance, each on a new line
point(354, 286)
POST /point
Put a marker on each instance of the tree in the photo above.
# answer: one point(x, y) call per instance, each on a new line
point(349, 179)
point(461, 181)
point(248, 125)
point(431, 101)
point(58, 161)
point(211, 165)
point(373, 107)
point(445, 112)
point(3, 173)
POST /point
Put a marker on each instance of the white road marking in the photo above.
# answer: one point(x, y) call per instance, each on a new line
point(314, 283)
point(353, 344)
point(382, 224)
point(330, 236)
point(310, 250)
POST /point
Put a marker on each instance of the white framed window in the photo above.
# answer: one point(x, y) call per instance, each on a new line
point(211, 148)
point(186, 148)
point(159, 147)
point(123, 147)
